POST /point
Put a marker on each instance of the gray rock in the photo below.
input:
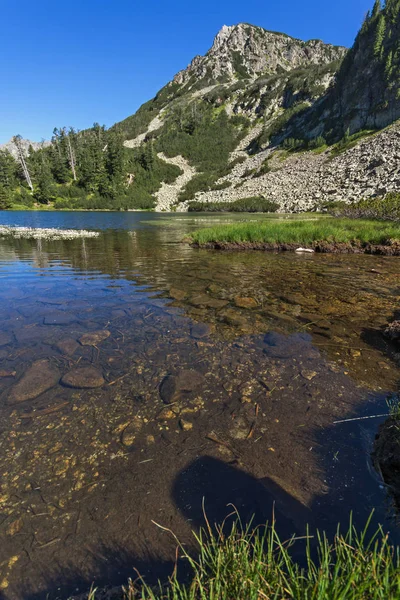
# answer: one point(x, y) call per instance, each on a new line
point(39, 378)
point(83, 378)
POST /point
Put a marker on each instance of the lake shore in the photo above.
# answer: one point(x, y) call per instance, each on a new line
point(344, 236)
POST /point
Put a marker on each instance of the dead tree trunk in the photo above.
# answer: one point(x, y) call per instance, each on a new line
point(22, 161)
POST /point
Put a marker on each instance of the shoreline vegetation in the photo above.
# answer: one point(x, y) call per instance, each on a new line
point(255, 563)
point(325, 234)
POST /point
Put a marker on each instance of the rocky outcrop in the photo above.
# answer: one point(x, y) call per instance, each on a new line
point(244, 50)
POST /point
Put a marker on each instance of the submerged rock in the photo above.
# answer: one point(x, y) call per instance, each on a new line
point(246, 302)
point(59, 318)
point(168, 389)
point(94, 337)
point(200, 330)
point(84, 378)
point(5, 338)
point(185, 425)
point(177, 294)
point(393, 331)
point(128, 436)
point(67, 346)
point(39, 378)
point(187, 381)
point(282, 346)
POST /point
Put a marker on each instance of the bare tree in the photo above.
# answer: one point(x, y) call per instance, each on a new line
point(71, 155)
point(21, 159)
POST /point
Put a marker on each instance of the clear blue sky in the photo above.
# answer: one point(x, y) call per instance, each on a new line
point(74, 62)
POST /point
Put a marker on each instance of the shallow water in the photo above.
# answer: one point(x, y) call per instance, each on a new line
point(223, 376)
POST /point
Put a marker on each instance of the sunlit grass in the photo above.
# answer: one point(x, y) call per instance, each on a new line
point(301, 232)
point(256, 565)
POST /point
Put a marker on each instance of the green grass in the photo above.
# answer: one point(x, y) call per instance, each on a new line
point(302, 232)
point(257, 565)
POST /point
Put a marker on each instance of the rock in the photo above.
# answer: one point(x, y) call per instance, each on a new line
point(94, 337)
point(246, 302)
point(7, 373)
point(233, 317)
point(39, 378)
point(309, 375)
point(5, 338)
point(168, 389)
point(59, 318)
point(200, 330)
point(309, 250)
point(67, 346)
point(393, 331)
point(186, 381)
point(15, 527)
point(83, 378)
point(166, 414)
point(185, 425)
point(189, 380)
point(240, 429)
point(280, 346)
point(130, 432)
point(177, 294)
point(207, 301)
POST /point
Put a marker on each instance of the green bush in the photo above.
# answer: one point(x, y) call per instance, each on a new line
point(251, 205)
point(387, 208)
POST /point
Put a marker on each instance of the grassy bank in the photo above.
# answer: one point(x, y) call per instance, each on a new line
point(353, 233)
point(256, 565)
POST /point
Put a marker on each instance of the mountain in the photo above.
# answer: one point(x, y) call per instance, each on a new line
point(248, 70)
point(25, 144)
point(235, 119)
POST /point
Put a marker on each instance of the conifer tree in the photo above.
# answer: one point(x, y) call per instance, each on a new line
point(377, 8)
point(379, 35)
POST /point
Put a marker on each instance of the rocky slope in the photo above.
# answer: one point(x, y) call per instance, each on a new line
point(304, 181)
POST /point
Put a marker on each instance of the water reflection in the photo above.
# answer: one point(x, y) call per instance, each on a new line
point(261, 354)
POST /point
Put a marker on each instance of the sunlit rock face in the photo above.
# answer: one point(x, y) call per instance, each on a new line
point(247, 51)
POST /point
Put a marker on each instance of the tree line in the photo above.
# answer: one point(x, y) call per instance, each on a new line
point(86, 169)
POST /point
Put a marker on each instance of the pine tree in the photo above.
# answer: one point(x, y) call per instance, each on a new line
point(8, 170)
point(379, 35)
point(377, 8)
point(389, 65)
point(44, 189)
point(5, 197)
point(58, 156)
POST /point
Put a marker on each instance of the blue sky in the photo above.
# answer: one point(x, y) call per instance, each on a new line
point(74, 62)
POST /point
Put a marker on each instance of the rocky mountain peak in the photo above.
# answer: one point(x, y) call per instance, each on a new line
point(245, 51)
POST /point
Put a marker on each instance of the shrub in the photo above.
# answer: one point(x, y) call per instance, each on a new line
point(387, 208)
point(251, 205)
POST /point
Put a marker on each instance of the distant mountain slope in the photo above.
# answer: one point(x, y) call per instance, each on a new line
point(25, 144)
